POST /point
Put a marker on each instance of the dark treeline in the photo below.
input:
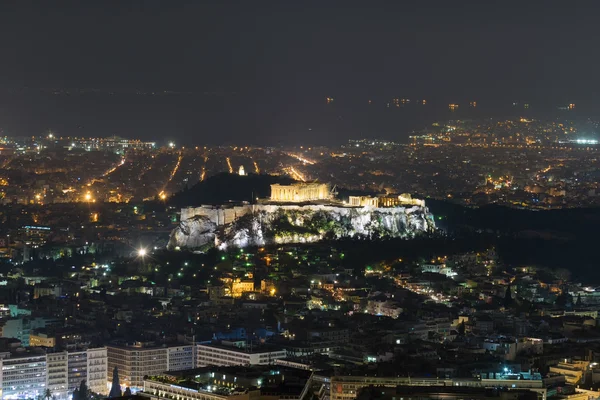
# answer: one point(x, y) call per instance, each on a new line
point(564, 238)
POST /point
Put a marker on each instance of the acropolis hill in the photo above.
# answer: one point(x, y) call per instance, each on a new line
point(300, 213)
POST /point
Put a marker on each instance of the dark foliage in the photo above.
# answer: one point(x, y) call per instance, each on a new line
point(549, 238)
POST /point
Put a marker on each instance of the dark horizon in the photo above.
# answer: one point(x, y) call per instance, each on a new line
point(260, 74)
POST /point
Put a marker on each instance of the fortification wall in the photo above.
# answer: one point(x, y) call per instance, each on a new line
point(217, 215)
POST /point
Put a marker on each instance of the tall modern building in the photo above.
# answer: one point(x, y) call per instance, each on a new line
point(135, 362)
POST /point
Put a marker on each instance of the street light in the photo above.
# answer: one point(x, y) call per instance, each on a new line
point(141, 252)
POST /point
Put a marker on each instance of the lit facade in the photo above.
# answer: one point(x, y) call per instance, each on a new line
point(239, 287)
point(212, 354)
point(385, 201)
point(41, 340)
point(180, 358)
point(136, 362)
point(300, 192)
point(169, 391)
point(363, 201)
point(24, 376)
point(97, 370)
point(21, 328)
point(27, 374)
point(58, 374)
point(114, 143)
point(77, 369)
point(572, 370)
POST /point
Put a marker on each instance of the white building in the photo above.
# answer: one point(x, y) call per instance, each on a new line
point(135, 362)
point(24, 375)
point(221, 355)
point(28, 373)
point(97, 370)
point(57, 376)
point(90, 366)
point(180, 358)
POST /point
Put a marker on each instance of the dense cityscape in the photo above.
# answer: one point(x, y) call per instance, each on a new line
point(210, 272)
point(515, 162)
point(286, 200)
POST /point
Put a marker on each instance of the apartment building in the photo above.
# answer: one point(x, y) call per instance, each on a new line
point(77, 369)
point(91, 366)
point(97, 370)
point(57, 375)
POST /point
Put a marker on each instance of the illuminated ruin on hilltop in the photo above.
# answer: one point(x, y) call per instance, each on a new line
point(300, 192)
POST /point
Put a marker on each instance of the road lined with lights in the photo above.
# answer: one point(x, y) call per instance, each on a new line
point(301, 158)
point(295, 174)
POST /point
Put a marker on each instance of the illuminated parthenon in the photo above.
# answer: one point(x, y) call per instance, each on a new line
point(300, 192)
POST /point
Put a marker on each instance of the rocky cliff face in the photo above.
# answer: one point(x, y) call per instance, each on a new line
point(265, 224)
point(193, 233)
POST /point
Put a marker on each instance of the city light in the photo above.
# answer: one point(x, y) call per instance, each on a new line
point(141, 252)
point(296, 174)
point(301, 158)
point(586, 141)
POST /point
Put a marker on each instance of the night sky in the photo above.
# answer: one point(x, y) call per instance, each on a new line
point(259, 72)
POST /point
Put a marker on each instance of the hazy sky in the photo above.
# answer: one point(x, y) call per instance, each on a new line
point(272, 63)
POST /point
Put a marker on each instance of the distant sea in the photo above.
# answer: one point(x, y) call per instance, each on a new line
point(231, 118)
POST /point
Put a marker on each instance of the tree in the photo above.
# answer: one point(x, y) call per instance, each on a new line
point(461, 328)
point(579, 302)
point(564, 299)
point(115, 389)
point(508, 300)
point(76, 394)
point(83, 393)
point(127, 392)
point(47, 394)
